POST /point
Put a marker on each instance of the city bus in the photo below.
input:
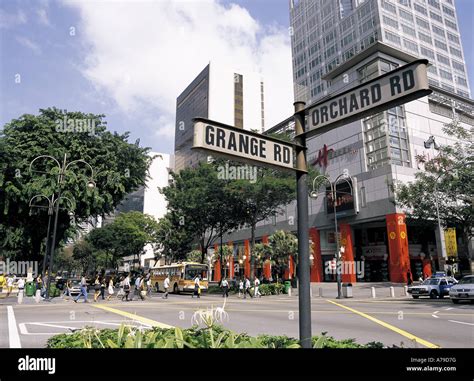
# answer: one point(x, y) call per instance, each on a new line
point(181, 275)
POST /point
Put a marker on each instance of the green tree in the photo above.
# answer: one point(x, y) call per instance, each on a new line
point(447, 181)
point(127, 235)
point(174, 239)
point(83, 253)
point(201, 205)
point(120, 168)
point(262, 199)
point(283, 245)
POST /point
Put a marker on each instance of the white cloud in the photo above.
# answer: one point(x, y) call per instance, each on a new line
point(27, 43)
point(43, 18)
point(9, 20)
point(144, 54)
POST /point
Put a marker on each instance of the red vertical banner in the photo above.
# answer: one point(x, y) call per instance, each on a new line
point(348, 264)
point(399, 259)
point(247, 258)
point(217, 265)
point(267, 266)
point(317, 266)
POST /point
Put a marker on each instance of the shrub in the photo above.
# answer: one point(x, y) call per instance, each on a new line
point(214, 336)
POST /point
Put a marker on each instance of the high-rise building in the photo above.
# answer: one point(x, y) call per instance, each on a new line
point(221, 93)
point(330, 36)
point(337, 45)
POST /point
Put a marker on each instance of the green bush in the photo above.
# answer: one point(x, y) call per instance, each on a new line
point(212, 337)
point(271, 289)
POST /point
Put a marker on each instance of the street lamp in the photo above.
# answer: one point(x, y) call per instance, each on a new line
point(314, 194)
point(50, 207)
point(62, 174)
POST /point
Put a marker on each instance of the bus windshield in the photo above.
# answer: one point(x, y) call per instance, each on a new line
point(193, 270)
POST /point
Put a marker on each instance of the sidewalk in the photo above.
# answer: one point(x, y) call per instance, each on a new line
point(360, 290)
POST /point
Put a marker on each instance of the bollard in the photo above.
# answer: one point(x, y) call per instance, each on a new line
point(289, 292)
point(405, 290)
point(320, 292)
point(20, 296)
point(38, 296)
point(392, 292)
point(373, 292)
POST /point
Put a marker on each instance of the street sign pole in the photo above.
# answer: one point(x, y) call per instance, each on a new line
point(303, 234)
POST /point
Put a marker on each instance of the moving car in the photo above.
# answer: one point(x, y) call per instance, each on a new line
point(464, 290)
point(75, 287)
point(432, 287)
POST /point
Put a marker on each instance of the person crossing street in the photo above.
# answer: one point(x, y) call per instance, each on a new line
point(256, 284)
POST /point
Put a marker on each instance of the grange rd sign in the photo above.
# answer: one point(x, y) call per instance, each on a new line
point(402, 85)
point(242, 145)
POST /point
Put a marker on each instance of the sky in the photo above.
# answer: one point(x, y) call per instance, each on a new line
point(130, 60)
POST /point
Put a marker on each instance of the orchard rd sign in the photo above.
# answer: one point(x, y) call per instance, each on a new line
point(392, 89)
point(242, 145)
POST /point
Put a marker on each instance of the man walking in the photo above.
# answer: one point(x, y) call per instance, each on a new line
point(166, 286)
point(225, 288)
point(148, 285)
point(256, 284)
point(197, 287)
point(247, 288)
point(126, 288)
point(10, 281)
point(83, 289)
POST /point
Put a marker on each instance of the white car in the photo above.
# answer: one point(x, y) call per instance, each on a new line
point(464, 290)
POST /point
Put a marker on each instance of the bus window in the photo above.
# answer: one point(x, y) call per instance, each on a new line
point(193, 270)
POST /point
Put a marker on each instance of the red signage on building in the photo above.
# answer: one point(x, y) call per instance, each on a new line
point(323, 155)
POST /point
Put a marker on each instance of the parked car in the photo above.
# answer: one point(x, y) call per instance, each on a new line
point(464, 290)
point(439, 274)
point(432, 287)
point(75, 287)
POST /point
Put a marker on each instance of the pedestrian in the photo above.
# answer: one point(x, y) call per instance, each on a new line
point(83, 289)
point(241, 288)
point(121, 292)
point(142, 288)
point(39, 282)
point(67, 288)
point(166, 286)
point(44, 285)
point(148, 285)
point(409, 278)
point(256, 284)
point(2, 282)
point(96, 288)
point(136, 289)
point(103, 285)
point(247, 288)
point(110, 289)
point(10, 281)
point(225, 288)
point(21, 287)
point(126, 288)
point(197, 287)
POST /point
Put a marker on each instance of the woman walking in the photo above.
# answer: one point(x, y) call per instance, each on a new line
point(126, 288)
point(110, 289)
point(197, 287)
point(96, 288)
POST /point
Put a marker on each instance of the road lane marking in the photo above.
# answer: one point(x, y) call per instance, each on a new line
point(141, 319)
point(389, 326)
point(13, 335)
point(460, 322)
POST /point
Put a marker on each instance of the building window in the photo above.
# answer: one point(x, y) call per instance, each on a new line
point(455, 52)
point(425, 38)
point(422, 23)
point(392, 37)
point(443, 59)
point(445, 74)
point(389, 7)
point(406, 15)
point(410, 45)
point(390, 22)
point(453, 38)
point(420, 9)
point(441, 45)
point(437, 17)
point(408, 30)
point(428, 53)
point(458, 66)
point(238, 100)
point(449, 11)
point(434, 3)
point(451, 24)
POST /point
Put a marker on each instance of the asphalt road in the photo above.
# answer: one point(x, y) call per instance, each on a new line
point(401, 322)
